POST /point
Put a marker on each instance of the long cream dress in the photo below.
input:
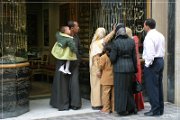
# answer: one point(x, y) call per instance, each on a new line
point(94, 80)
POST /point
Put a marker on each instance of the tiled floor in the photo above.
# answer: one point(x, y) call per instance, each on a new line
point(172, 112)
point(40, 87)
point(41, 110)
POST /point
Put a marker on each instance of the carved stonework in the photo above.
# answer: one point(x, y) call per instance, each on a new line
point(14, 93)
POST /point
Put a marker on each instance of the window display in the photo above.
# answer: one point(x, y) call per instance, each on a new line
point(105, 13)
point(14, 74)
point(13, 38)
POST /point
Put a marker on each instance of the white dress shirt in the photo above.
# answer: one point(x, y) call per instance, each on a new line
point(154, 46)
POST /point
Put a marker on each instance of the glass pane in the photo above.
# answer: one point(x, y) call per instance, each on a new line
point(13, 39)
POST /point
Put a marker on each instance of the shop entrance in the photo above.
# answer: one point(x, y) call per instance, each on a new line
point(38, 49)
point(41, 28)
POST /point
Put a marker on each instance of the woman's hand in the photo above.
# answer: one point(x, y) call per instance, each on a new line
point(99, 74)
point(114, 27)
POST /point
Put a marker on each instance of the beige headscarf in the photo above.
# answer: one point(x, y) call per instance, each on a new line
point(96, 46)
point(129, 32)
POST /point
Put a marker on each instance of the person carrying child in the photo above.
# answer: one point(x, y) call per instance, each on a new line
point(64, 48)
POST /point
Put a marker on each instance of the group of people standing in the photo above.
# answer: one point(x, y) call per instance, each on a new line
point(114, 63)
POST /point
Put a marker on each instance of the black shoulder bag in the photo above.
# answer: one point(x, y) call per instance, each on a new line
point(136, 86)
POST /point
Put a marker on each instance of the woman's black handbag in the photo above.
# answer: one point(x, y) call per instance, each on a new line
point(136, 87)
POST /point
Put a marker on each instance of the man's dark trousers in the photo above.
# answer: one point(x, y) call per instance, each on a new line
point(153, 83)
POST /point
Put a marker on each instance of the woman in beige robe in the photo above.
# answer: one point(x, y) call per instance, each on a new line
point(96, 48)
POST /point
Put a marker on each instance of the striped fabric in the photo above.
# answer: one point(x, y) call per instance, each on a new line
point(124, 100)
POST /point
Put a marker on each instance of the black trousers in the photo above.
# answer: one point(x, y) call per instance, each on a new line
point(153, 83)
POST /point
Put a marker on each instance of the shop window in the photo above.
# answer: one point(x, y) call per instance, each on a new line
point(64, 15)
point(131, 13)
point(32, 29)
point(104, 14)
point(46, 26)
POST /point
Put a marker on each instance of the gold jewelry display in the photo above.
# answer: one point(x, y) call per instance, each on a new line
point(129, 12)
point(13, 27)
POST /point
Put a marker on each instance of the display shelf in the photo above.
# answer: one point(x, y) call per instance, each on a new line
point(13, 32)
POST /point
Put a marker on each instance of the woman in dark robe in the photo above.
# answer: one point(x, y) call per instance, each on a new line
point(123, 58)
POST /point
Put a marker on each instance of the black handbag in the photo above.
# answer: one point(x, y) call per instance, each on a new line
point(136, 87)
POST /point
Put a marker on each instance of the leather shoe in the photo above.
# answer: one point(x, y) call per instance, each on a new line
point(134, 111)
point(161, 112)
point(97, 107)
point(74, 108)
point(152, 114)
point(65, 109)
point(123, 113)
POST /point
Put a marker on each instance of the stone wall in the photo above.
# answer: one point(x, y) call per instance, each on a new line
point(160, 14)
point(14, 92)
point(177, 55)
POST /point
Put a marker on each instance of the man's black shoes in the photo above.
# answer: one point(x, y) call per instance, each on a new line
point(152, 114)
point(161, 112)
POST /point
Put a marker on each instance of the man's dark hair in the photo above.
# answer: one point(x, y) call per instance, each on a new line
point(70, 24)
point(151, 23)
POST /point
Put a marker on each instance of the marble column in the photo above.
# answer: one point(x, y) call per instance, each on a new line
point(14, 92)
point(177, 54)
point(170, 51)
point(160, 14)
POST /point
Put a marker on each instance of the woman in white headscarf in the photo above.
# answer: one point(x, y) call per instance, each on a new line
point(96, 48)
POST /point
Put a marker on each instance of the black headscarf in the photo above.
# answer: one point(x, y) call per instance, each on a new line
point(120, 30)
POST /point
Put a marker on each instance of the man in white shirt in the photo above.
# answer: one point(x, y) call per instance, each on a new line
point(153, 54)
